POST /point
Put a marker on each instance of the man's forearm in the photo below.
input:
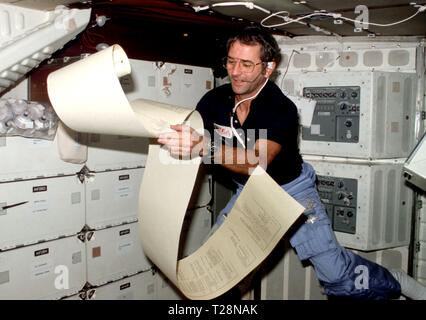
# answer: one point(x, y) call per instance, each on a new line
point(237, 160)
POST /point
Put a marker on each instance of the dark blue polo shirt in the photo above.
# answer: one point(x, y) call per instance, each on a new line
point(270, 110)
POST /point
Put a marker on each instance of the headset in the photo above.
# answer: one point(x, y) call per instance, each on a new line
point(270, 65)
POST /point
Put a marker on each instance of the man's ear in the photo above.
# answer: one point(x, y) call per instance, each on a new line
point(270, 67)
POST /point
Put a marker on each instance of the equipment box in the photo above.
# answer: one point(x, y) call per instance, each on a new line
point(45, 209)
point(114, 253)
point(49, 270)
point(368, 203)
point(112, 197)
point(141, 286)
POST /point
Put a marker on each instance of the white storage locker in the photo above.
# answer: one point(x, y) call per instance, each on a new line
point(368, 203)
point(112, 197)
point(142, 82)
point(183, 85)
point(175, 84)
point(358, 114)
point(141, 286)
point(112, 152)
point(285, 277)
point(166, 290)
point(196, 226)
point(114, 253)
point(49, 270)
point(27, 158)
point(55, 207)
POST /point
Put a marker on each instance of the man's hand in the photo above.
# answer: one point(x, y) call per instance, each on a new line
point(184, 143)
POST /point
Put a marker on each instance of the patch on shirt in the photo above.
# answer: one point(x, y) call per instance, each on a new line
point(223, 131)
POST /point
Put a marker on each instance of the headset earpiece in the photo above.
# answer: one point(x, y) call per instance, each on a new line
point(270, 65)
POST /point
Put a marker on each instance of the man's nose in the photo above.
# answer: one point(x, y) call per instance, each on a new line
point(235, 69)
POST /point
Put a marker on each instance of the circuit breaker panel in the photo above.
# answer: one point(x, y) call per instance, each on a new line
point(364, 115)
point(368, 203)
point(336, 112)
point(339, 196)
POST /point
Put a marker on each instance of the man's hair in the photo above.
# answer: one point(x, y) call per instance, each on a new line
point(269, 49)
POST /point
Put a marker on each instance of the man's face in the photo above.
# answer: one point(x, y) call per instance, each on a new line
point(246, 84)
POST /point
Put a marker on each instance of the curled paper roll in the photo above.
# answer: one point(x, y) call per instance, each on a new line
point(107, 110)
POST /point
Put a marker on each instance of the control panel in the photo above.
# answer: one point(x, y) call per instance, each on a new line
point(336, 114)
point(339, 196)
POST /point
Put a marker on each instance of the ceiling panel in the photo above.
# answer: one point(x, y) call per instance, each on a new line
point(380, 11)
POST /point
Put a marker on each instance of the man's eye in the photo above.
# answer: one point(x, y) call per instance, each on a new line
point(247, 64)
point(231, 61)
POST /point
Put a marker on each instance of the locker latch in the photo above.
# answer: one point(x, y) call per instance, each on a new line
point(84, 173)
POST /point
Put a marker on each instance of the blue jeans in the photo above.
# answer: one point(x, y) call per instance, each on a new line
point(341, 272)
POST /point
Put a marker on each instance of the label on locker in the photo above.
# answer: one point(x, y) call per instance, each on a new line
point(125, 286)
point(41, 252)
point(123, 192)
point(124, 232)
point(38, 143)
point(40, 206)
point(124, 246)
point(39, 188)
point(41, 268)
point(126, 296)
